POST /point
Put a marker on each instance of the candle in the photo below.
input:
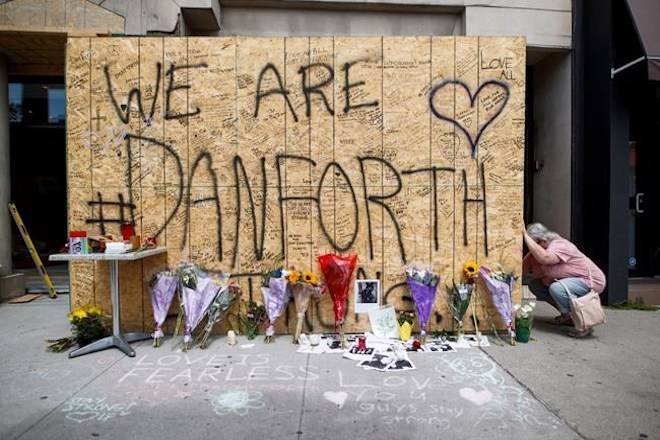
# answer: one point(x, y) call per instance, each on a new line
point(231, 337)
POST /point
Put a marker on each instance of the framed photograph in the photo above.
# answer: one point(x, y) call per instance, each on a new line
point(367, 295)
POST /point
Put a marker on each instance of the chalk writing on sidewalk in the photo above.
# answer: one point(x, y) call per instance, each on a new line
point(237, 402)
point(85, 409)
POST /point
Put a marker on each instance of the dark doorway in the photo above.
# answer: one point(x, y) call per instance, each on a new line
point(644, 153)
point(38, 164)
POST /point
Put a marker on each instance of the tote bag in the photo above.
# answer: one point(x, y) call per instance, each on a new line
point(586, 311)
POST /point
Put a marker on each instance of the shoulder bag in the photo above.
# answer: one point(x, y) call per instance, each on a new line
point(586, 311)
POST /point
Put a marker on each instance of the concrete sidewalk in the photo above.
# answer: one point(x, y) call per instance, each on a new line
point(553, 388)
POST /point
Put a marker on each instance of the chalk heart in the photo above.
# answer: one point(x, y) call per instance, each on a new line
point(477, 397)
point(492, 94)
point(82, 416)
point(336, 397)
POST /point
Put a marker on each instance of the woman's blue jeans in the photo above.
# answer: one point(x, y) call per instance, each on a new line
point(557, 292)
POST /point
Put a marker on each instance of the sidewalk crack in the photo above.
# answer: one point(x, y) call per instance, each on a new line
point(302, 405)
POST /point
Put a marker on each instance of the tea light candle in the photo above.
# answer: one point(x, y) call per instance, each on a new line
point(231, 337)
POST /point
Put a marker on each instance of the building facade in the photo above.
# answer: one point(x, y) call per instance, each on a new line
point(563, 187)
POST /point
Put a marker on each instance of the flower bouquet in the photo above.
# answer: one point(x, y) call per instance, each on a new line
point(196, 294)
point(423, 284)
point(276, 298)
point(405, 320)
point(470, 274)
point(304, 286)
point(195, 304)
point(458, 299)
point(255, 315)
point(500, 286)
point(163, 288)
point(524, 320)
point(338, 271)
point(223, 300)
point(88, 324)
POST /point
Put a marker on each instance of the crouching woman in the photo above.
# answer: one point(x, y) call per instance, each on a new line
point(555, 265)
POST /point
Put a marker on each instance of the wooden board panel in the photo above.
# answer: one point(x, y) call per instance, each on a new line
point(152, 162)
point(79, 161)
point(358, 122)
point(406, 149)
point(466, 115)
point(176, 123)
point(502, 156)
point(443, 142)
point(212, 146)
point(240, 151)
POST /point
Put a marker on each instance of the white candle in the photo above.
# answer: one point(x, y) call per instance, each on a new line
point(231, 337)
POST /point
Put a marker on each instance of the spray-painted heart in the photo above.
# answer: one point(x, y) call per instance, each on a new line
point(498, 107)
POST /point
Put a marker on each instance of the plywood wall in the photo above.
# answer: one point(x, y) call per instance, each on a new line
point(423, 162)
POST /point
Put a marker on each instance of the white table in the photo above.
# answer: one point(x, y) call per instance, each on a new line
point(118, 340)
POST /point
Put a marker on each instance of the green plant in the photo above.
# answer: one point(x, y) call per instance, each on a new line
point(255, 315)
point(87, 324)
point(635, 304)
point(404, 317)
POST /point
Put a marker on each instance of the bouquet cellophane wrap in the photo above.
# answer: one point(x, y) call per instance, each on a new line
point(276, 298)
point(338, 271)
point(195, 303)
point(424, 297)
point(302, 296)
point(500, 292)
point(162, 294)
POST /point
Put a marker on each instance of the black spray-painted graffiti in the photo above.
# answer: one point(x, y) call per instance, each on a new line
point(499, 106)
point(241, 180)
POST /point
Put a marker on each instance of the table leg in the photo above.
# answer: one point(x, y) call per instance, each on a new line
point(114, 295)
point(117, 340)
point(123, 345)
point(136, 336)
point(99, 345)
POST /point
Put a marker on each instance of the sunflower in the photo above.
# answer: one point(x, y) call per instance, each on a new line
point(293, 276)
point(77, 314)
point(310, 278)
point(470, 270)
point(94, 310)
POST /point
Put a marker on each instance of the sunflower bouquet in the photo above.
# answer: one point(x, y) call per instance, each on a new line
point(304, 286)
point(470, 271)
point(88, 324)
point(460, 294)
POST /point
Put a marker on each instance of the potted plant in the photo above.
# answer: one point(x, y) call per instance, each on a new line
point(524, 320)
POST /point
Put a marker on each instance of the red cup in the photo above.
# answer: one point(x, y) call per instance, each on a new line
point(127, 231)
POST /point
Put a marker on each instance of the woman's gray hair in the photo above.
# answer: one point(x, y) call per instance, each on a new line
point(540, 233)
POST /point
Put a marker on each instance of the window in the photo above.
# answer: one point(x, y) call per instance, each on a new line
point(37, 103)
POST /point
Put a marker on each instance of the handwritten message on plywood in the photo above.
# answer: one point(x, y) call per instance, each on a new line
point(234, 152)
